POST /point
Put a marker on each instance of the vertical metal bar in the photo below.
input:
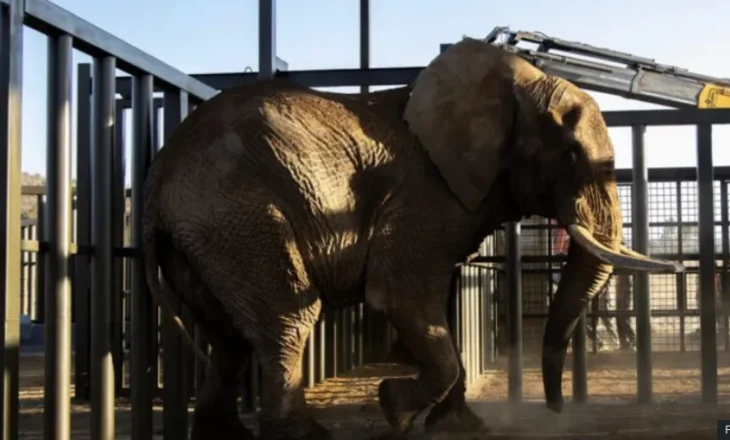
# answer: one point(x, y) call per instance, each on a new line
point(267, 38)
point(41, 269)
point(364, 38)
point(365, 345)
point(705, 195)
point(580, 361)
point(514, 311)
point(57, 398)
point(82, 273)
point(142, 308)
point(642, 301)
point(725, 278)
point(322, 347)
point(595, 311)
point(199, 367)
point(156, 331)
point(118, 220)
point(311, 354)
point(488, 319)
point(359, 310)
point(11, 96)
point(176, 394)
point(681, 277)
point(102, 366)
point(330, 349)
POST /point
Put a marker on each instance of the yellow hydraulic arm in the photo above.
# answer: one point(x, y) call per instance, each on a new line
point(614, 72)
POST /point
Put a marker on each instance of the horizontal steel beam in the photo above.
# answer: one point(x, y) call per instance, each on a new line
point(312, 78)
point(50, 19)
point(625, 118)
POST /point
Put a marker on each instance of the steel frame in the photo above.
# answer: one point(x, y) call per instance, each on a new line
point(331, 350)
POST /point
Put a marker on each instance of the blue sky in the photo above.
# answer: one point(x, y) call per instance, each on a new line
point(321, 34)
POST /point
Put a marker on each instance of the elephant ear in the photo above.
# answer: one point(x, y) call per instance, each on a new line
point(462, 110)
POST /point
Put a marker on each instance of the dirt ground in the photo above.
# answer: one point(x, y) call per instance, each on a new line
point(347, 404)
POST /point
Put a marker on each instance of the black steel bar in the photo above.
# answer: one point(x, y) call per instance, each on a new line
point(364, 39)
point(681, 309)
point(725, 277)
point(330, 349)
point(82, 273)
point(267, 38)
point(118, 219)
point(705, 195)
point(199, 366)
point(310, 360)
point(11, 96)
point(142, 308)
point(57, 395)
point(41, 261)
point(312, 78)
point(580, 361)
point(176, 354)
point(514, 312)
point(625, 118)
point(102, 367)
point(640, 239)
point(595, 305)
point(156, 330)
point(681, 277)
point(321, 354)
point(488, 319)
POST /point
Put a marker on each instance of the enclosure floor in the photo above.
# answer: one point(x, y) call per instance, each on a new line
point(347, 404)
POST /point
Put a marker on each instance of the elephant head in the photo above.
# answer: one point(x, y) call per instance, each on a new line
point(479, 111)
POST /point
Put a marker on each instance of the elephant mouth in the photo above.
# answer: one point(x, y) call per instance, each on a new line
point(625, 258)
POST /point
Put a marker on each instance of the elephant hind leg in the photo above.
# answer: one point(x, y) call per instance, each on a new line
point(258, 275)
point(216, 413)
point(284, 414)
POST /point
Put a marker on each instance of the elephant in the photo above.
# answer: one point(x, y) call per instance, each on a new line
point(272, 198)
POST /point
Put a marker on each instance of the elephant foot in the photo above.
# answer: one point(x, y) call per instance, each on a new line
point(448, 418)
point(284, 431)
point(397, 403)
point(555, 404)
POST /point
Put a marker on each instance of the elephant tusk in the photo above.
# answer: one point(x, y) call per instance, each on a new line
point(626, 258)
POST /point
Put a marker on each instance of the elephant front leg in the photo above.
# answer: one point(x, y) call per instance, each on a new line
point(453, 414)
point(423, 330)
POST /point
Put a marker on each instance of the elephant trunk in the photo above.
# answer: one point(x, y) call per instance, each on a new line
point(582, 278)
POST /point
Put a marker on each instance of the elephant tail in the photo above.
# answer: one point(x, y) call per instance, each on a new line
point(161, 292)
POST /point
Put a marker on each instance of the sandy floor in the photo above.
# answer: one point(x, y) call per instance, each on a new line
point(347, 404)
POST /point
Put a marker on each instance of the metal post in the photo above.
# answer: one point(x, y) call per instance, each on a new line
point(365, 343)
point(176, 354)
point(514, 311)
point(57, 399)
point(725, 277)
point(642, 301)
point(142, 308)
point(11, 95)
point(705, 194)
point(82, 273)
point(267, 38)
point(681, 280)
point(580, 360)
point(118, 217)
point(102, 367)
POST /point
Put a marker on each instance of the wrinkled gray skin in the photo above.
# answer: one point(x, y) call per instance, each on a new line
point(272, 198)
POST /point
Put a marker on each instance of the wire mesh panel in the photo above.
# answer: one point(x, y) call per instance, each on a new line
point(673, 234)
